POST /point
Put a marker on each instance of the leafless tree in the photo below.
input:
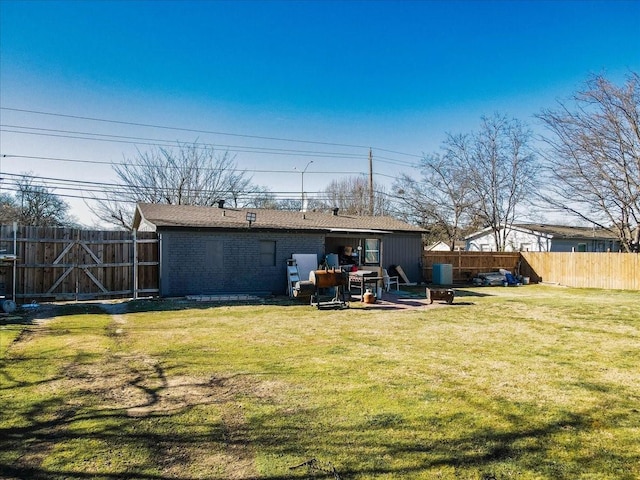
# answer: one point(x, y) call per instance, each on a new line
point(190, 174)
point(440, 201)
point(34, 205)
point(9, 211)
point(593, 160)
point(499, 168)
point(352, 196)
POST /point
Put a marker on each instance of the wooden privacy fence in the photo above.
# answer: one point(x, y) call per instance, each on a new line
point(467, 265)
point(74, 264)
point(572, 269)
point(616, 271)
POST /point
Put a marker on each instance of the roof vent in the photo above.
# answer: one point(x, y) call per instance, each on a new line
point(335, 211)
point(220, 203)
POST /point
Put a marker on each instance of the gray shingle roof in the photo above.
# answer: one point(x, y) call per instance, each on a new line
point(187, 216)
point(563, 231)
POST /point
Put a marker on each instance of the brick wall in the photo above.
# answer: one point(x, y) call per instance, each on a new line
point(200, 262)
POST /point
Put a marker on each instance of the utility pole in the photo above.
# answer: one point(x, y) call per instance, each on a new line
point(370, 182)
point(302, 172)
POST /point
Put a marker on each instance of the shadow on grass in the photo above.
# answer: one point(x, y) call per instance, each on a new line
point(401, 300)
point(442, 441)
point(140, 431)
point(46, 311)
point(438, 441)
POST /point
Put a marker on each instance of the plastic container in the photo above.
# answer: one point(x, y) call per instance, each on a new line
point(442, 274)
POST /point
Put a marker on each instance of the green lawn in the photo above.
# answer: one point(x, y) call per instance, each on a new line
point(534, 382)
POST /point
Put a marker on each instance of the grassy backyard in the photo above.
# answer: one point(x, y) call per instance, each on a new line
point(534, 382)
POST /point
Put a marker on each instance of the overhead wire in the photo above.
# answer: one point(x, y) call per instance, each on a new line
point(104, 162)
point(51, 183)
point(245, 148)
point(109, 188)
point(164, 127)
point(170, 144)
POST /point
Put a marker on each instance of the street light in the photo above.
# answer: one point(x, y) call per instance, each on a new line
point(302, 184)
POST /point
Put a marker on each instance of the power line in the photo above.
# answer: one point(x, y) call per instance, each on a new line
point(101, 162)
point(211, 132)
point(94, 136)
point(170, 143)
point(164, 127)
point(73, 186)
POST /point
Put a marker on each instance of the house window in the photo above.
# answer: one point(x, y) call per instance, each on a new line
point(372, 251)
point(267, 253)
point(582, 247)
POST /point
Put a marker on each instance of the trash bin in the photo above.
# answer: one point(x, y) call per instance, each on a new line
point(442, 274)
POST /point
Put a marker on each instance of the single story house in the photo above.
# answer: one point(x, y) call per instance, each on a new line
point(218, 250)
point(441, 246)
point(546, 238)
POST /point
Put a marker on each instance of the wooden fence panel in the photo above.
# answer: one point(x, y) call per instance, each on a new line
point(63, 263)
point(574, 269)
point(619, 271)
point(468, 264)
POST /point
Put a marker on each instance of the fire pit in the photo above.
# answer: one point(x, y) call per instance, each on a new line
point(445, 294)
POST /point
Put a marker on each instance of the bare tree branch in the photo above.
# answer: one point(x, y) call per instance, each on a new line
point(593, 157)
point(190, 174)
point(351, 196)
point(499, 169)
point(34, 205)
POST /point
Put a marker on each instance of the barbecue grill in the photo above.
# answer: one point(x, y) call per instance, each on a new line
point(332, 280)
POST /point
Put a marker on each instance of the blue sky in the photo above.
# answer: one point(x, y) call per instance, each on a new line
point(391, 75)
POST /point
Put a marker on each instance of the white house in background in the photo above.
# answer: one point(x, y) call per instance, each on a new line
point(444, 247)
point(546, 238)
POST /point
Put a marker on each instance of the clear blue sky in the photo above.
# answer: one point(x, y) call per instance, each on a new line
point(390, 75)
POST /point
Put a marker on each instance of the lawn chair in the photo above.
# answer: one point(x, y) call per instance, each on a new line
point(389, 280)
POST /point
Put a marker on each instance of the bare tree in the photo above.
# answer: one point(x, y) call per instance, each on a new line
point(34, 205)
point(351, 195)
point(499, 168)
point(440, 201)
point(593, 159)
point(261, 197)
point(9, 211)
point(191, 174)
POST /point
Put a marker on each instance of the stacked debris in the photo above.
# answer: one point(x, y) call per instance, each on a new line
point(494, 279)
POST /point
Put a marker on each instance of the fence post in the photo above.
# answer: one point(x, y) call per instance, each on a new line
point(134, 234)
point(15, 262)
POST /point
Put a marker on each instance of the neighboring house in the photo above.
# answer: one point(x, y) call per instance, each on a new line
point(207, 250)
point(546, 238)
point(441, 246)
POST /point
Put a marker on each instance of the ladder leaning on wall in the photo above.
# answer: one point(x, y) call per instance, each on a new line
point(293, 276)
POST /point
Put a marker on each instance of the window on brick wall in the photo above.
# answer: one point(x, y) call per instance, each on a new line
point(267, 253)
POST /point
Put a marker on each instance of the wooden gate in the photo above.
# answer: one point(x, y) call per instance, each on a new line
point(73, 264)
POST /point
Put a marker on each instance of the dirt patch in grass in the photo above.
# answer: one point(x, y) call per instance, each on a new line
point(138, 386)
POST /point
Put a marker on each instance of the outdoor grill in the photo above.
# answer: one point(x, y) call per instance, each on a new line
point(332, 280)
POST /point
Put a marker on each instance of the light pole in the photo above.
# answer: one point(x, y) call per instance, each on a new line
point(302, 185)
